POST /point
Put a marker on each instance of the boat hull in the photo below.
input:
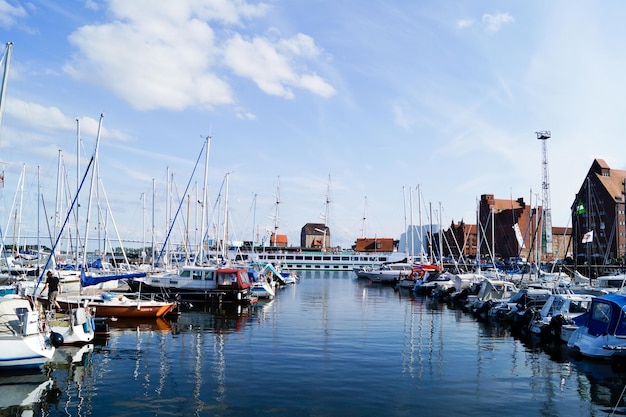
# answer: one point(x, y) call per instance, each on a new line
point(207, 284)
point(24, 352)
point(119, 306)
point(77, 327)
point(197, 295)
point(23, 343)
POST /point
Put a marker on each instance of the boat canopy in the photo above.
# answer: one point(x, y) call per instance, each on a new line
point(607, 316)
point(86, 280)
point(233, 278)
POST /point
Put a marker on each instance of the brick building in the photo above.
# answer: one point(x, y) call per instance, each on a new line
point(598, 211)
point(497, 232)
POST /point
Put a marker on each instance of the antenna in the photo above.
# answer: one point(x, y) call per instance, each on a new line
point(546, 240)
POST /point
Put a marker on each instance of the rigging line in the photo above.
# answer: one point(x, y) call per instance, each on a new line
point(169, 232)
point(69, 212)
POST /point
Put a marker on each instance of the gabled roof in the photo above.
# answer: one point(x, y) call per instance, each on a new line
point(611, 179)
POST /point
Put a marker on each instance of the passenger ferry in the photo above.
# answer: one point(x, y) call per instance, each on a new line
point(367, 253)
point(307, 260)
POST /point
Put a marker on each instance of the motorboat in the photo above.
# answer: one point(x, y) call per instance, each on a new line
point(386, 273)
point(77, 326)
point(559, 315)
point(24, 340)
point(201, 283)
point(491, 292)
point(603, 332)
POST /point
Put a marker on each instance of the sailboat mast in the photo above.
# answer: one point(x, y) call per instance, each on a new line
point(225, 239)
point(7, 61)
point(94, 175)
point(77, 255)
point(419, 215)
point(203, 220)
point(410, 251)
point(363, 232)
point(326, 214)
point(276, 212)
point(406, 242)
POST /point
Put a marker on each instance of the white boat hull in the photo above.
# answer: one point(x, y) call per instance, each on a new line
point(22, 342)
point(76, 327)
point(263, 290)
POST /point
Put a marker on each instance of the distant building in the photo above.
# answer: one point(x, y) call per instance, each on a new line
point(315, 235)
point(375, 245)
point(507, 229)
point(598, 219)
point(416, 241)
point(459, 239)
point(497, 234)
point(278, 240)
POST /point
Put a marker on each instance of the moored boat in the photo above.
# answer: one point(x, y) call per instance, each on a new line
point(108, 304)
point(558, 311)
point(386, 273)
point(76, 326)
point(24, 340)
point(200, 283)
point(603, 333)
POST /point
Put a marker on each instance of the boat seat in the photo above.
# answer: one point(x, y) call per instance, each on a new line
point(9, 325)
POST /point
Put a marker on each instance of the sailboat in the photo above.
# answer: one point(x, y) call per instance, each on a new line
point(24, 339)
point(102, 304)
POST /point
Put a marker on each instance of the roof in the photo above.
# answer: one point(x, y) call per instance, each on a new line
point(613, 182)
point(502, 204)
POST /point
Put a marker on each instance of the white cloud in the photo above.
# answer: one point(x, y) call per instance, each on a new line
point(246, 116)
point(9, 14)
point(51, 118)
point(151, 63)
point(464, 23)
point(271, 64)
point(400, 117)
point(169, 55)
point(493, 23)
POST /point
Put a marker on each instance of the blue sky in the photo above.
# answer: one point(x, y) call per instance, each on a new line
point(379, 96)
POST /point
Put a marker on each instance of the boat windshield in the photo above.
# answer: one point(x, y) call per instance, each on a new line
point(620, 330)
point(600, 318)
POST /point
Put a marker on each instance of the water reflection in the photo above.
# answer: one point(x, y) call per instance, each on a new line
point(215, 319)
point(25, 393)
point(57, 385)
point(349, 347)
point(598, 381)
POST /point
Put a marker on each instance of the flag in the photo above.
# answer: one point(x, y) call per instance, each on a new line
point(518, 236)
point(580, 207)
point(588, 237)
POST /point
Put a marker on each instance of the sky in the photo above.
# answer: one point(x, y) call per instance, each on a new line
point(395, 111)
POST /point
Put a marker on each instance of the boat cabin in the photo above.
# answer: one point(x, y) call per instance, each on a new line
point(607, 316)
point(233, 279)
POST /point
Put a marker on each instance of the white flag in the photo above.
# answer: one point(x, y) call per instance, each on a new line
point(518, 236)
point(588, 237)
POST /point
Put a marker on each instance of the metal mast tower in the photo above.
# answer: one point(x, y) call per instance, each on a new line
point(546, 233)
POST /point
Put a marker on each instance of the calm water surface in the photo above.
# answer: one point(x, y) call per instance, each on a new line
point(327, 346)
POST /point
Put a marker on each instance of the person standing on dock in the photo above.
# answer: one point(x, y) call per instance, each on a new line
point(54, 287)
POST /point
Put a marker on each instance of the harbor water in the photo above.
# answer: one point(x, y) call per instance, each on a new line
point(330, 345)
